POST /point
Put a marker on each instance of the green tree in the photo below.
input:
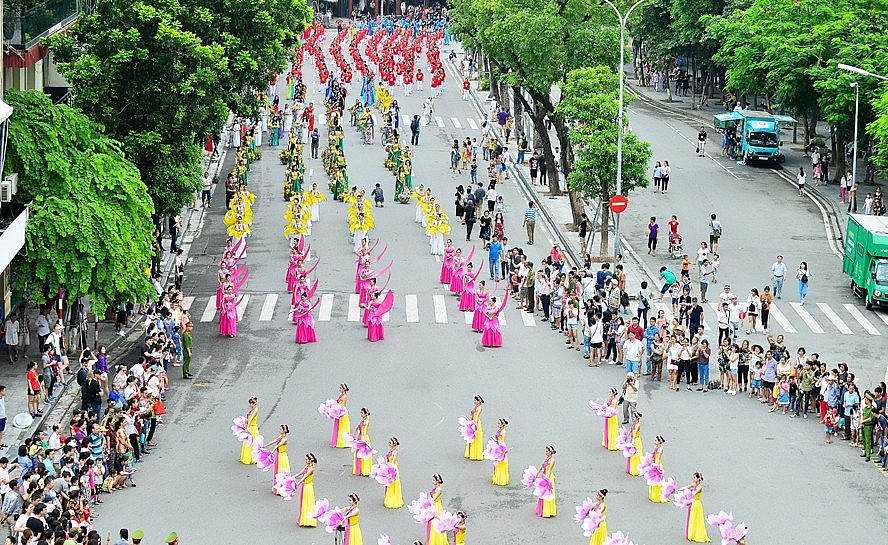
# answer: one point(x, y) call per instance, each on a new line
point(590, 103)
point(90, 215)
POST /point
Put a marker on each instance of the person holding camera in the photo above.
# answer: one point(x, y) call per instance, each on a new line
point(629, 397)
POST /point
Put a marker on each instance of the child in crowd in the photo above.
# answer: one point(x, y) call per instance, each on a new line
point(855, 427)
point(756, 388)
point(715, 263)
point(829, 425)
point(685, 266)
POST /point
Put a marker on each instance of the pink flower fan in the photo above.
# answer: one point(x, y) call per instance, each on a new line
point(592, 523)
point(720, 518)
point(496, 451)
point(358, 446)
point(331, 409)
point(629, 449)
point(241, 430)
point(286, 485)
point(264, 458)
point(425, 514)
point(281, 478)
point(321, 508)
point(684, 497)
point(467, 428)
point(335, 518)
point(418, 506)
point(384, 540)
point(645, 462)
point(617, 538)
point(732, 534)
point(543, 488)
point(384, 472)
point(584, 510)
point(654, 475)
point(529, 476)
point(446, 522)
point(667, 488)
point(604, 411)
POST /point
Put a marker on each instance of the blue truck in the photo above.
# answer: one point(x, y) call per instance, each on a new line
point(758, 134)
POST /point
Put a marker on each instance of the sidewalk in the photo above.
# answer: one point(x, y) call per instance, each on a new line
point(120, 348)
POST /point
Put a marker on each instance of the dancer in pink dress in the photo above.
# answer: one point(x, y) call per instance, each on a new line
point(305, 331)
point(492, 337)
point(467, 299)
point(375, 329)
point(447, 262)
point(228, 314)
point(481, 296)
point(223, 285)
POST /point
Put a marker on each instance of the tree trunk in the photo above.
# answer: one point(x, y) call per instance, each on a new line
point(838, 153)
point(668, 77)
point(518, 109)
point(693, 77)
point(542, 135)
point(494, 85)
point(603, 249)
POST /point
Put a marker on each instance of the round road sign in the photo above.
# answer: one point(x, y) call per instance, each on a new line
point(618, 204)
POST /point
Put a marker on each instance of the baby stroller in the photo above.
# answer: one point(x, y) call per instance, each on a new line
point(675, 248)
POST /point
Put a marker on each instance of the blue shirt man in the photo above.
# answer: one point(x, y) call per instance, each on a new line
point(495, 251)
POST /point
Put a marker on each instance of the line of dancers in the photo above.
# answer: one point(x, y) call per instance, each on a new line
point(370, 298)
point(432, 217)
point(231, 277)
point(301, 304)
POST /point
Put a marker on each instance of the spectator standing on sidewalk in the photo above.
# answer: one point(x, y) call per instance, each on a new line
point(653, 230)
point(207, 194)
point(175, 223)
point(43, 329)
point(414, 131)
point(584, 230)
point(715, 232)
point(534, 164)
point(34, 390)
point(530, 217)
point(701, 142)
point(12, 337)
point(778, 273)
point(3, 485)
point(630, 397)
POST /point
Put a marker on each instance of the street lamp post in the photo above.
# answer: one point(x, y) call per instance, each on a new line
point(856, 85)
point(622, 19)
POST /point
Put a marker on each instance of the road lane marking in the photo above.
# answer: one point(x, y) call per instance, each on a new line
point(469, 316)
point(375, 122)
point(861, 319)
point(440, 309)
point(412, 306)
point(187, 302)
point(834, 318)
point(781, 319)
point(439, 121)
point(326, 309)
point(354, 312)
point(405, 119)
point(883, 317)
point(714, 160)
point(528, 320)
point(437, 258)
point(456, 122)
point(242, 307)
point(209, 313)
point(268, 307)
point(807, 318)
point(322, 120)
point(472, 124)
point(502, 316)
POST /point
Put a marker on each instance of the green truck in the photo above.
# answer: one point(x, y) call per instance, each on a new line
point(866, 257)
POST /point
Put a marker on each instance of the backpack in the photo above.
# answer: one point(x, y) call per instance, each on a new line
point(414, 125)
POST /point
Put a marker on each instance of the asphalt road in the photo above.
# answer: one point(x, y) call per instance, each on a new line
point(763, 467)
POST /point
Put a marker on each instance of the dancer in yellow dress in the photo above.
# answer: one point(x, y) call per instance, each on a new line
point(475, 449)
point(306, 492)
point(246, 456)
point(635, 438)
point(352, 515)
point(611, 424)
point(393, 497)
point(696, 523)
point(655, 492)
point(501, 469)
point(341, 425)
point(437, 492)
point(362, 466)
point(281, 460)
point(459, 536)
point(546, 508)
point(599, 535)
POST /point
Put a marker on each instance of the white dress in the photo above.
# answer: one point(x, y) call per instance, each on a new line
point(258, 132)
point(288, 121)
point(315, 210)
point(358, 239)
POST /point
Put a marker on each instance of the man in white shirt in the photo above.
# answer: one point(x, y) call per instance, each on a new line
point(778, 273)
point(632, 349)
point(724, 320)
point(43, 328)
point(734, 319)
point(12, 337)
point(726, 296)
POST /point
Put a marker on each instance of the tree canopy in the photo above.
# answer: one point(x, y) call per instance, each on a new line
point(90, 215)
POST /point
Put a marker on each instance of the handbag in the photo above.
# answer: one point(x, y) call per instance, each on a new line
point(159, 408)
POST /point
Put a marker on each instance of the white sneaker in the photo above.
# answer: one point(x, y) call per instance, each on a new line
point(733, 392)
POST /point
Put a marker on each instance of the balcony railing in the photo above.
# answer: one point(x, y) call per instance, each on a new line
point(24, 30)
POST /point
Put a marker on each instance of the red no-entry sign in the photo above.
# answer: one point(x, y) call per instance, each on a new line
point(618, 203)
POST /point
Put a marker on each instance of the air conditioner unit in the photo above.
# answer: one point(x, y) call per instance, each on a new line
point(8, 187)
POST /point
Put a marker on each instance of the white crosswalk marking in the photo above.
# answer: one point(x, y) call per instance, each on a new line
point(437, 258)
point(387, 316)
point(405, 120)
point(806, 317)
point(439, 121)
point(469, 316)
point(242, 307)
point(502, 316)
point(209, 313)
point(528, 320)
point(326, 307)
point(472, 124)
point(268, 307)
point(423, 122)
point(456, 122)
point(187, 302)
point(354, 312)
point(440, 309)
point(322, 120)
point(882, 316)
point(861, 319)
point(412, 306)
point(375, 121)
point(834, 318)
point(781, 319)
